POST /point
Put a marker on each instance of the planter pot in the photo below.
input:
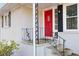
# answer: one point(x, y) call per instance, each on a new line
point(68, 51)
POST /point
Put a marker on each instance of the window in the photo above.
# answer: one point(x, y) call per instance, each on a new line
point(2, 21)
point(72, 23)
point(9, 19)
point(48, 18)
point(6, 20)
point(56, 19)
point(71, 14)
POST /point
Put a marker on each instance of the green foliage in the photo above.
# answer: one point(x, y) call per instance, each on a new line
point(7, 47)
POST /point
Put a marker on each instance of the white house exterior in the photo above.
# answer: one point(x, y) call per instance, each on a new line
point(21, 18)
point(15, 18)
point(70, 35)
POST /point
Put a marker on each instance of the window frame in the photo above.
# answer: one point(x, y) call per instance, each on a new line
point(56, 24)
point(72, 17)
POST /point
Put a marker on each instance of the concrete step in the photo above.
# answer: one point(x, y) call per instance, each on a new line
point(53, 51)
point(67, 51)
point(59, 50)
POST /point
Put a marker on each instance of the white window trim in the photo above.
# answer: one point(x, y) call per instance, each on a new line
point(54, 20)
point(65, 18)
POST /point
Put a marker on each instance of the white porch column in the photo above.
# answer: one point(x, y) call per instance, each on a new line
point(34, 29)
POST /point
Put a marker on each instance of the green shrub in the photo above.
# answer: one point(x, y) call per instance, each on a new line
point(7, 47)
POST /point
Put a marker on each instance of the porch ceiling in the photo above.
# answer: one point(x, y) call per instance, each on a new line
point(47, 5)
point(11, 6)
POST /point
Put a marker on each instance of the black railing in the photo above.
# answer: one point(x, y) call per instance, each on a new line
point(63, 44)
point(27, 34)
point(58, 40)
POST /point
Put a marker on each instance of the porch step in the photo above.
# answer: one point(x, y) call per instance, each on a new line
point(67, 51)
point(59, 47)
point(42, 41)
point(53, 51)
point(59, 52)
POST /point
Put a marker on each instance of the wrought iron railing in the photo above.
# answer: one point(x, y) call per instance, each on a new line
point(27, 34)
point(55, 41)
point(63, 44)
point(59, 43)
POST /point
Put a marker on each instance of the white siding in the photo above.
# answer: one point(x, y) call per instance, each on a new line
point(20, 18)
point(71, 36)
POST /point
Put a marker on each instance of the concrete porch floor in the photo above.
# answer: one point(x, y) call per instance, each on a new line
point(45, 50)
point(48, 50)
point(24, 50)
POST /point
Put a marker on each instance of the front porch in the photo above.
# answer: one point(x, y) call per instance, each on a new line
point(48, 39)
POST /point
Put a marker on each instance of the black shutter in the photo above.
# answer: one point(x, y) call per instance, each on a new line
point(60, 18)
point(9, 18)
point(2, 21)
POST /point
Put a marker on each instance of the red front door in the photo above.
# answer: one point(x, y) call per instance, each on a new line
point(48, 23)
